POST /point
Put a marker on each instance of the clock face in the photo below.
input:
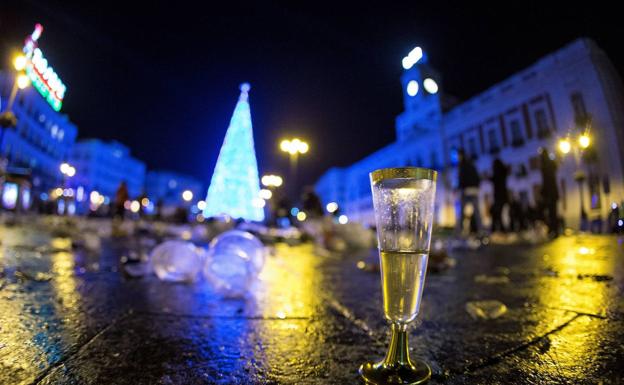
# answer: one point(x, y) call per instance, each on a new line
point(430, 86)
point(412, 88)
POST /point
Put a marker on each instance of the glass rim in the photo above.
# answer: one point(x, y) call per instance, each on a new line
point(403, 173)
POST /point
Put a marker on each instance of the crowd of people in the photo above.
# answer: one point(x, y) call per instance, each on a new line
point(522, 215)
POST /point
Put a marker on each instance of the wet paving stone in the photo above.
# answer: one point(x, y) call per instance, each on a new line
point(70, 316)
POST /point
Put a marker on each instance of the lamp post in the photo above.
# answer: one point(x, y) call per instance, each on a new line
point(271, 183)
point(68, 171)
point(7, 118)
point(567, 145)
point(294, 147)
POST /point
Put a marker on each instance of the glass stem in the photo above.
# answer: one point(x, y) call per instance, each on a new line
point(398, 352)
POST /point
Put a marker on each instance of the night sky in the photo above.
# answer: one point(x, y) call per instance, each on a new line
point(163, 79)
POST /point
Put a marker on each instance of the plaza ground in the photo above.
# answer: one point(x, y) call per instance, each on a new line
point(72, 316)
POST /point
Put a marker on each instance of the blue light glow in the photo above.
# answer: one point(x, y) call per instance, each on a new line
point(235, 182)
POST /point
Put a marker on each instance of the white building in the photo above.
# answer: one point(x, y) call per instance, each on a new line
point(561, 95)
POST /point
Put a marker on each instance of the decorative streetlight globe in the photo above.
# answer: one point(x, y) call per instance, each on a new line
point(564, 146)
point(187, 195)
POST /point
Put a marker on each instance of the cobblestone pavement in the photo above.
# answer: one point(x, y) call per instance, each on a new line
point(71, 317)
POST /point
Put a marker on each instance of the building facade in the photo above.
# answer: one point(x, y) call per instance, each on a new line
point(167, 187)
point(41, 140)
point(102, 166)
point(572, 91)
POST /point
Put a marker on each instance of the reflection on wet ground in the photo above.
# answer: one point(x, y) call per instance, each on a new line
point(70, 316)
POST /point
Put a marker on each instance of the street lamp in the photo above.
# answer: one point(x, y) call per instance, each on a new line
point(67, 170)
point(294, 147)
point(271, 180)
point(565, 146)
point(21, 79)
point(187, 195)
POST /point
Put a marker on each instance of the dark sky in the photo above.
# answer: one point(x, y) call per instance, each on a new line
point(164, 78)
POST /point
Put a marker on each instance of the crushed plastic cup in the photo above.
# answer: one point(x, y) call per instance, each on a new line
point(233, 262)
point(176, 261)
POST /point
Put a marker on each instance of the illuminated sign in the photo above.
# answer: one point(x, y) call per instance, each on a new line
point(42, 75)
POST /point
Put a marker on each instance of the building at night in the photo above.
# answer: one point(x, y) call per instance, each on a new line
point(42, 138)
point(167, 187)
point(101, 166)
point(572, 91)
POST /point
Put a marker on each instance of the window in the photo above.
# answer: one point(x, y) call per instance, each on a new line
point(516, 133)
point(472, 147)
point(541, 121)
point(493, 140)
point(578, 105)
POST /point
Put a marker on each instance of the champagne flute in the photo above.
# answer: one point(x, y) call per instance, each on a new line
point(403, 200)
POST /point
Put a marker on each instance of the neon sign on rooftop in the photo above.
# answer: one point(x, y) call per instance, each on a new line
point(42, 75)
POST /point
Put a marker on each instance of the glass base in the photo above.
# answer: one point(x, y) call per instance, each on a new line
point(416, 372)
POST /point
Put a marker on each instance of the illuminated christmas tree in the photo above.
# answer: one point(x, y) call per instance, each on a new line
point(235, 185)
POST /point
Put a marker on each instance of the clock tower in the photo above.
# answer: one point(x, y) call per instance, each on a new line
point(421, 97)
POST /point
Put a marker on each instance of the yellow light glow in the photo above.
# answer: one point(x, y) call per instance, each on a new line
point(145, 202)
point(271, 180)
point(265, 194)
point(332, 207)
point(58, 192)
point(285, 145)
point(94, 197)
point(71, 171)
point(343, 219)
point(19, 62)
point(187, 195)
point(301, 216)
point(584, 141)
point(201, 205)
point(565, 146)
point(294, 146)
point(22, 81)
point(135, 206)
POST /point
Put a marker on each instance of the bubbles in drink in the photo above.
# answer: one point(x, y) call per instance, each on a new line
point(403, 277)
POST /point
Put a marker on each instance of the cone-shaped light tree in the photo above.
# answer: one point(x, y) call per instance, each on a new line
point(234, 188)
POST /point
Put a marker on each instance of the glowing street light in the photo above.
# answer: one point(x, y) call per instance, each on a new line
point(331, 207)
point(301, 216)
point(22, 81)
point(294, 147)
point(565, 146)
point(135, 206)
point(271, 180)
point(67, 170)
point(187, 195)
point(265, 194)
point(343, 219)
point(201, 205)
point(20, 62)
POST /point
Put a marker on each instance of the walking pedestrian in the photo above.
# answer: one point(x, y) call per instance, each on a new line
point(550, 192)
point(468, 185)
point(499, 179)
point(121, 196)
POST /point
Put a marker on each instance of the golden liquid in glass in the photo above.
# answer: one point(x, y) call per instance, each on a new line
point(402, 277)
